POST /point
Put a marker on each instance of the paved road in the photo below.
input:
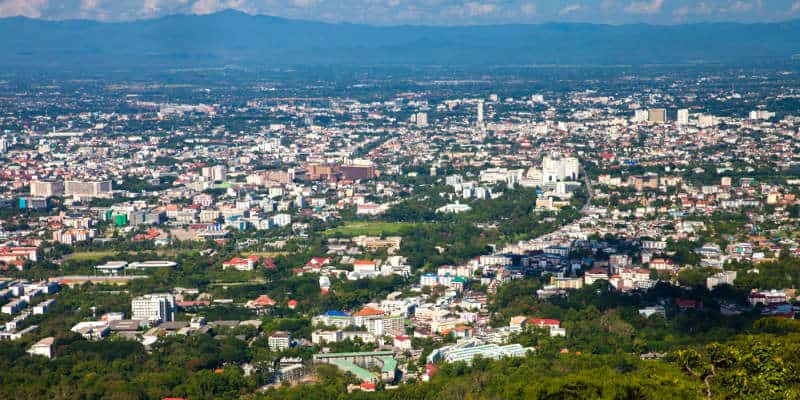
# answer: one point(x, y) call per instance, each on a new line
point(588, 182)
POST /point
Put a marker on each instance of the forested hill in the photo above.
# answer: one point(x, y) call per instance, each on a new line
point(233, 38)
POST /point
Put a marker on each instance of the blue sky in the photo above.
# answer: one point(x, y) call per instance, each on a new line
point(425, 12)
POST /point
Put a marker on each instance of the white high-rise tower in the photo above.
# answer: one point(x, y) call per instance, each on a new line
point(480, 114)
point(683, 116)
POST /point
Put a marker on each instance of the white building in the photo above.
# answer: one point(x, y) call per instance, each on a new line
point(683, 116)
point(47, 189)
point(556, 168)
point(87, 189)
point(422, 119)
point(154, 308)
point(279, 341)
point(43, 348)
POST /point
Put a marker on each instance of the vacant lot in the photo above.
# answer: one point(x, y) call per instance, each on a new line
point(370, 228)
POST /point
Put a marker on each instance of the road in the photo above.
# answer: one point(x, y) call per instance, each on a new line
point(588, 182)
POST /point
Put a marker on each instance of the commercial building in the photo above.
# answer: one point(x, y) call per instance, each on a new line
point(154, 308)
point(657, 115)
point(556, 168)
point(683, 117)
point(87, 189)
point(47, 189)
point(279, 341)
point(466, 351)
point(42, 348)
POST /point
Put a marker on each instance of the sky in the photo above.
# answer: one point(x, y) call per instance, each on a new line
point(424, 12)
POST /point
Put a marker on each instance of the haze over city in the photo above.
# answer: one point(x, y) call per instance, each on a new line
point(424, 12)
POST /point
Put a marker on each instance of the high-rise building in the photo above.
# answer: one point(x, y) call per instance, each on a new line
point(422, 119)
point(47, 189)
point(556, 168)
point(480, 114)
point(219, 173)
point(3, 145)
point(683, 116)
point(87, 189)
point(705, 121)
point(761, 114)
point(154, 308)
point(657, 115)
point(279, 341)
point(640, 116)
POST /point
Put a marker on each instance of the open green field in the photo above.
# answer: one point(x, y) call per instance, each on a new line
point(90, 255)
point(268, 254)
point(370, 228)
point(100, 254)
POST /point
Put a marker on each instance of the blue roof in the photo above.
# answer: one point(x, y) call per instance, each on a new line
point(336, 314)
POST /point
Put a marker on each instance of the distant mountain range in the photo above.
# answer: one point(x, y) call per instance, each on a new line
point(233, 38)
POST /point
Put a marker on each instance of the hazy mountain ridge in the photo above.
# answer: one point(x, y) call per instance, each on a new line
point(235, 38)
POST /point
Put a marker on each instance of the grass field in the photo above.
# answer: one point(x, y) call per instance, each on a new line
point(370, 228)
point(268, 254)
point(90, 255)
point(97, 255)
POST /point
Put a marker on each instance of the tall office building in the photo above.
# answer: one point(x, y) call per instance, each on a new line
point(422, 119)
point(219, 173)
point(640, 116)
point(87, 189)
point(657, 115)
point(556, 168)
point(480, 114)
point(3, 145)
point(683, 116)
point(154, 308)
point(47, 189)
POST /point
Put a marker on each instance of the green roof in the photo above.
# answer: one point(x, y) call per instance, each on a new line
point(389, 364)
point(384, 353)
point(350, 367)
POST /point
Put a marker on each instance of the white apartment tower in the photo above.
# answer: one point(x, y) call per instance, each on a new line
point(87, 189)
point(422, 120)
point(154, 307)
point(480, 114)
point(47, 189)
point(219, 173)
point(683, 116)
point(556, 168)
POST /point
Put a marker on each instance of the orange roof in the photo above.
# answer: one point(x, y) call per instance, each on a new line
point(263, 300)
point(368, 311)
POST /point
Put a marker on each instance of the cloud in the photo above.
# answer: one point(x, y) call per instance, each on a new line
point(701, 8)
point(206, 6)
point(304, 3)
point(203, 7)
point(608, 4)
point(795, 7)
point(739, 7)
point(528, 8)
point(644, 7)
point(89, 5)
point(569, 9)
point(474, 9)
point(26, 8)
